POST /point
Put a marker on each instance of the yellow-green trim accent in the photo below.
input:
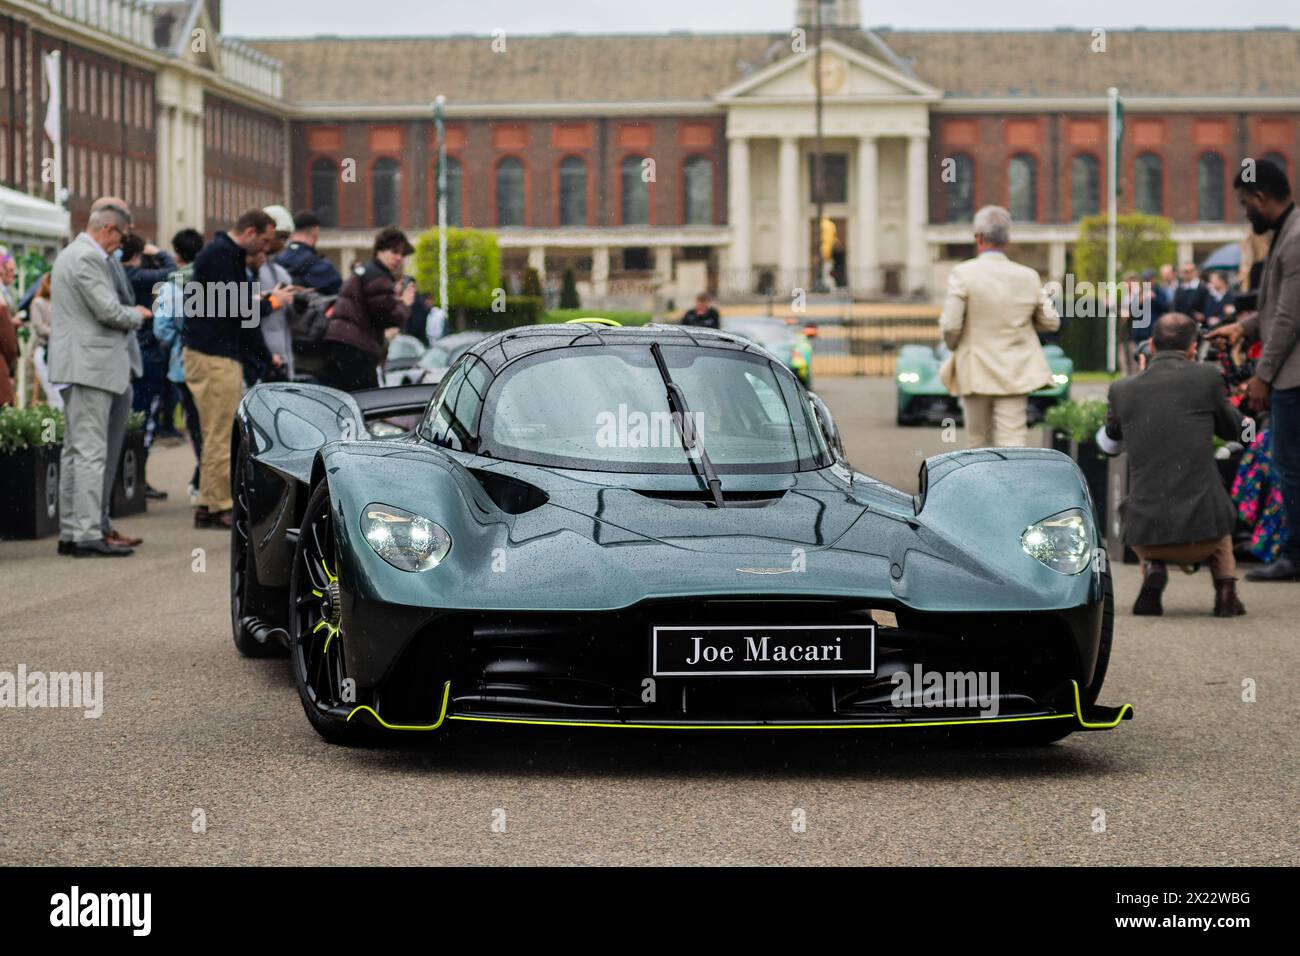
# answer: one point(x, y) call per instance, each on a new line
point(1102, 725)
point(446, 698)
point(593, 320)
point(968, 721)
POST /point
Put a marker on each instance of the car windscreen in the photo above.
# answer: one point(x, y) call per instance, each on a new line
point(605, 408)
point(773, 335)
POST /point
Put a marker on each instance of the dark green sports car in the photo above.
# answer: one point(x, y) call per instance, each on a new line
point(651, 527)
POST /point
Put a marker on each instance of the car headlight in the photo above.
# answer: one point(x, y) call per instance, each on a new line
point(407, 541)
point(909, 378)
point(1063, 542)
point(1060, 379)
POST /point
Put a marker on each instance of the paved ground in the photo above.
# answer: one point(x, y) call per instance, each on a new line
point(1199, 777)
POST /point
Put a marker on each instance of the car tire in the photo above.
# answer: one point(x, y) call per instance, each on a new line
point(317, 674)
point(253, 636)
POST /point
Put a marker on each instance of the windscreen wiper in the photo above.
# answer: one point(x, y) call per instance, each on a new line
point(694, 447)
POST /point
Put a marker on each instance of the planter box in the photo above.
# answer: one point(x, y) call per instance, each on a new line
point(29, 492)
point(128, 486)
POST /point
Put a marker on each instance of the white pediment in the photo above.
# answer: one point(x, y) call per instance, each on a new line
point(847, 75)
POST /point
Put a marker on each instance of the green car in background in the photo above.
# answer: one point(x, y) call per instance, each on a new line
point(789, 343)
point(922, 397)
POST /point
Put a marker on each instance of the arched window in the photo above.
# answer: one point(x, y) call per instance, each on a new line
point(1022, 188)
point(959, 194)
point(573, 192)
point(1085, 186)
point(1209, 188)
point(697, 185)
point(385, 193)
point(635, 204)
point(454, 192)
point(1149, 185)
point(510, 192)
point(325, 191)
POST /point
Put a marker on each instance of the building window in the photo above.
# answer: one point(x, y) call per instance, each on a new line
point(325, 192)
point(1085, 186)
point(634, 203)
point(697, 191)
point(453, 192)
point(510, 192)
point(1149, 185)
point(573, 192)
point(959, 195)
point(835, 169)
point(385, 193)
point(1022, 188)
point(1209, 188)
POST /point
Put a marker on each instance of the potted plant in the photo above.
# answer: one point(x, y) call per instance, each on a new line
point(128, 484)
point(31, 440)
point(1080, 422)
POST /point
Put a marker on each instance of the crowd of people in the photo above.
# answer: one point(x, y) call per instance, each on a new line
point(120, 325)
point(1207, 357)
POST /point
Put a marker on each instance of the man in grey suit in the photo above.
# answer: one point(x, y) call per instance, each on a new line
point(1265, 195)
point(90, 328)
point(119, 415)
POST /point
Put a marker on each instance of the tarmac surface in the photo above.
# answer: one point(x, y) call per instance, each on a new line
point(204, 757)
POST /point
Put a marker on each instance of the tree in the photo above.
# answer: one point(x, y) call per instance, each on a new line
point(473, 269)
point(569, 291)
point(532, 283)
point(1141, 242)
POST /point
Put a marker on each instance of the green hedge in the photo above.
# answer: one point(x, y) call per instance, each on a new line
point(520, 310)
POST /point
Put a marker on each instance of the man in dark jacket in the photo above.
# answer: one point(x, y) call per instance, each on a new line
point(702, 313)
point(374, 299)
point(1177, 509)
point(308, 268)
point(1192, 297)
point(221, 332)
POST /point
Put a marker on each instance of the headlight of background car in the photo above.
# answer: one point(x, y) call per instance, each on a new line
point(1063, 542)
point(407, 541)
point(1060, 378)
point(909, 378)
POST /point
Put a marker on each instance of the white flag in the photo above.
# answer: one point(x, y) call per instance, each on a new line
point(52, 110)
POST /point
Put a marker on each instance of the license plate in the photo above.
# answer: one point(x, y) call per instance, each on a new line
point(822, 650)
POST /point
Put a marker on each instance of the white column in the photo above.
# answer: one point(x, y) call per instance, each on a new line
point(600, 271)
point(738, 214)
point(1055, 262)
point(918, 214)
point(1185, 253)
point(164, 203)
point(789, 274)
point(663, 266)
point(867, 256)
point(537, 262)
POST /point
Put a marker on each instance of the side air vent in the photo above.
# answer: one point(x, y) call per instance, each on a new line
point(703, 499)
point(511, 495)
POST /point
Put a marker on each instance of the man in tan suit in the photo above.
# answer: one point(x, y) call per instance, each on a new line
point(990, 321)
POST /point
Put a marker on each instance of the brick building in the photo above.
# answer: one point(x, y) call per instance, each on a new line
point(655, 164)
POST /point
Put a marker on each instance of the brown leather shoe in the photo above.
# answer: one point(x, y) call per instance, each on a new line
point(1226, 602)
point(202, 517)
point(122, 540)
point(221, 519)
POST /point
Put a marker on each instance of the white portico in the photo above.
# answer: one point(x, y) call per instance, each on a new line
point(876, 127)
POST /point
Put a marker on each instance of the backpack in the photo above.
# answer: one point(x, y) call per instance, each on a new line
point(309, 317)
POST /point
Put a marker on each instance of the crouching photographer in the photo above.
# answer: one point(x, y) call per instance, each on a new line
point(1177, 509)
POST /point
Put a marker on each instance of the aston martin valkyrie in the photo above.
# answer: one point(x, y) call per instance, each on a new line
point(651, 527)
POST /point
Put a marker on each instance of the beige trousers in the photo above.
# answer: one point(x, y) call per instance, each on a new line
point(1216, 552)
point(996, 421)
point(217, 385)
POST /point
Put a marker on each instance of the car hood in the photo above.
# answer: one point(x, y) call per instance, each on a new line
point(765, 514)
